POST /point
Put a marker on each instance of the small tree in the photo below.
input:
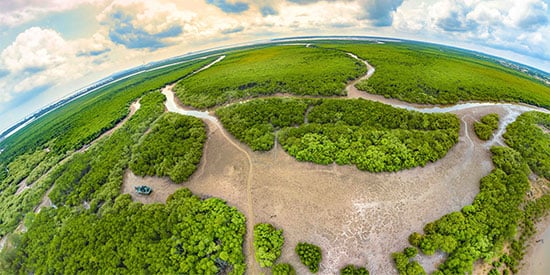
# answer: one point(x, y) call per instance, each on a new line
point(310, 255)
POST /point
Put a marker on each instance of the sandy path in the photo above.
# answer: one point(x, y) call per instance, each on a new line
point(354, 216)
point(293, 196)
point(133, 109)
point(163, 187)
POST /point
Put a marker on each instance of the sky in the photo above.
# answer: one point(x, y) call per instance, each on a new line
point(51, 48)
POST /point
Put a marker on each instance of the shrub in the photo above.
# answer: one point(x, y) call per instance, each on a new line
point(283, 269)
point(310, 256)
point(268, 242)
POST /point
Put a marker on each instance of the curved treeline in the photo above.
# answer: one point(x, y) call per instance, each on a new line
point(173, 148)
point(277, 69)
point(486, 127)
point(373, 136)
point(530, 135)
point(501, 215)
point(480, 230)
point(96, 175)
point(82, 120)
point(434, 74)
point(186, 235)
point(255, 122)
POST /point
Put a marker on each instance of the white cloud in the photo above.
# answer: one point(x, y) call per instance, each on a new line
point(35, 48)
point(517, 26)
point(13, 13)
point(40, 58)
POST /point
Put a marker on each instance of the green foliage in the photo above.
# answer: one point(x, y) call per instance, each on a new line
point(485, 128)
point(255, 122)
point(310, 256)
point(410, 252)
point(14, 205)
point(8, 253)
point(173, 148)
point(404, 264)
point(283, 269)
point(354, 270)
point(415, 238)
point(265, 71)
point(268, 242)
point(373, 136)
point(432, 74)
point(34, 151)
point(82, 120)
point(530, 136)
point(479, 230)
point(96, 174)
point(186, 236)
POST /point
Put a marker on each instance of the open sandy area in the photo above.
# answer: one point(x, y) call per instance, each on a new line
point(354, 216)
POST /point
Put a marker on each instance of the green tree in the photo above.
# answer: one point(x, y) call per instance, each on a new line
point(268, 242)
point(310, 256)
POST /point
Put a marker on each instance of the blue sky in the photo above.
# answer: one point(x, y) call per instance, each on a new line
point(50, 48)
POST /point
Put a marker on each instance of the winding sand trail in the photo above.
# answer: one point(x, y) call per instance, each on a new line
point(173, 106)
point(356, 217)
point(46, 202)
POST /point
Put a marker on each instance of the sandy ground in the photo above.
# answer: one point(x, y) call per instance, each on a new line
point(354, 216)
point(538, 252)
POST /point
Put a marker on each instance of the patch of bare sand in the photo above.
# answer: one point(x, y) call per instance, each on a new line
point(354, 216)
point(22, 186)
point(536, 256)
point(221, 173)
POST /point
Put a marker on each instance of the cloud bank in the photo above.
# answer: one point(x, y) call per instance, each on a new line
point(37, 57)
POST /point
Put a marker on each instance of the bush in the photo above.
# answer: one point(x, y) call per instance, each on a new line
point(173, 148)
point(310, 256)
point(485, 128)
point(410, 252)
point(283, 269)
point(354, 270)
point(268, 242)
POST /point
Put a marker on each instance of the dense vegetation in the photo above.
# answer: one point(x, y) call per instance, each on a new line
point(530, 136)
point(310, 256)
point(354, 270)
point(173, 148)
point(95, 176)
point(40, 147)
point(283, 269)
point(434, 74)
point(486, 127)
point(278, 69)
point(481, 229)
point(14, 204)
point(373, 136)
point(268, 242)
point(501, 216)
point(186, 236)
point(81, 121)
point(256, 121)
point(404, 263)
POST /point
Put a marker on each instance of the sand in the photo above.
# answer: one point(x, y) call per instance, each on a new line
point(354, 216)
